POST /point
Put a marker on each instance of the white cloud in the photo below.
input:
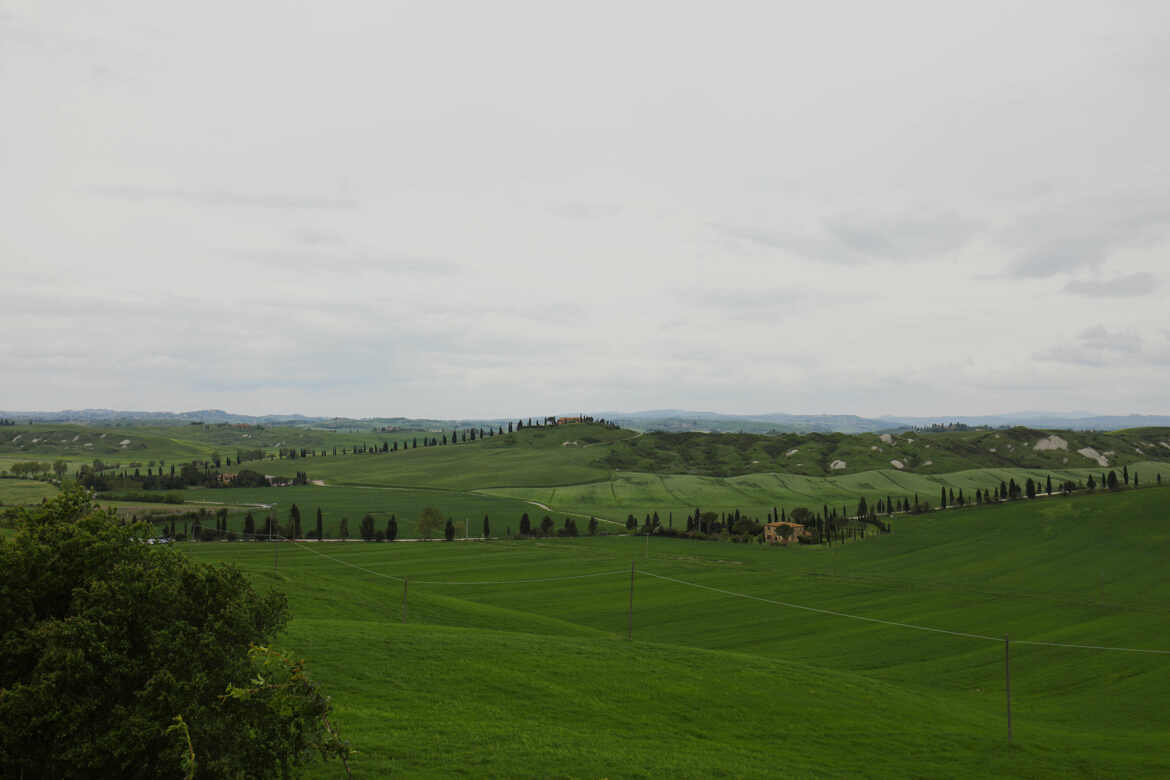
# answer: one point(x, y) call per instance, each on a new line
point(1129, 286)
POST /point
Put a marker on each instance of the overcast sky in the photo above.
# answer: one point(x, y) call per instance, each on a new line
point(512, 208)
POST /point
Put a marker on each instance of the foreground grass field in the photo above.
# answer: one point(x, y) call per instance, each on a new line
point(512, 658)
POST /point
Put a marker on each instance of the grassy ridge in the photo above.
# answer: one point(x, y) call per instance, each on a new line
point(534, 456)
point(756, 494)
point(170, 443)
point(528, 677)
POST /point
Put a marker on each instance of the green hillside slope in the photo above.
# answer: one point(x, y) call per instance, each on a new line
point(757, 494)
point(511, 659)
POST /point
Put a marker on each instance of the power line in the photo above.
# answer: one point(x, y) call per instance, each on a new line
point(902, 625)
point(790, 605)
point(823, 611)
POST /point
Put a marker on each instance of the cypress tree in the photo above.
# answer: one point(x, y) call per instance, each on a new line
point(487, 528)
point(392, 528)
point(320, 526)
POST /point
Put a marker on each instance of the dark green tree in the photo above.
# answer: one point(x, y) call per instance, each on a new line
point(546, 525)
point(366, 527)
point(343, 528)
point(392, 528)
point(449, 531)
point(320, 525)
point(129, 660)
point(294, 521)
point(430, 520)
point(487, 526)
point(525, 525)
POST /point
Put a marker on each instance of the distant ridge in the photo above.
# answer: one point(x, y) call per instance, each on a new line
point(676, 420)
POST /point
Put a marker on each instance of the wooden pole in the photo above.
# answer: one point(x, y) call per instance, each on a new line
point(630, 611)
point(1007, 682)
point(405, 583)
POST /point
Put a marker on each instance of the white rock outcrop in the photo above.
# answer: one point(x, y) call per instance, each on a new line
point(1092, 454)
point(837, 465)
point(898, 464)
point(1053, 442)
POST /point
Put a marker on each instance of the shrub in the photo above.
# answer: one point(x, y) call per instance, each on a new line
point(117, 656)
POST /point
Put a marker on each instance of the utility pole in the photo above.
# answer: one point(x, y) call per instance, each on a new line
point(405, 583)
point(1007, 681)
point(630, 612)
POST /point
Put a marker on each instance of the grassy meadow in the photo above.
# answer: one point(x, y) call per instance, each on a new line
point(512, 657)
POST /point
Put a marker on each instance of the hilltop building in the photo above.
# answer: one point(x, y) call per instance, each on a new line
point(773, 534)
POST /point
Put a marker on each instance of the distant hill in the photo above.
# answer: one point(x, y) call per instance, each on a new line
point(676, 420)
point(664, 420)
point(116, 416)
point(1046, 420)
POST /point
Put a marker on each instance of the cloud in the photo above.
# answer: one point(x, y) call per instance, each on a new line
point(1131, 286)
point(225, 199)
point(347, 261)
point(862, 237)
point(1095, 346)
point(1083, 234)
point(1059, 256)
point(583, 210)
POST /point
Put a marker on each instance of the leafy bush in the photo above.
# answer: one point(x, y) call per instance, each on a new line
point(115, 656)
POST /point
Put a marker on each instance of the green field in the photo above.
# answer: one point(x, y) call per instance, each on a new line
point(142, 444)
point(594, 470)
point(503, 666)
point(337, 502)
point(756, 494)
point(21, 492)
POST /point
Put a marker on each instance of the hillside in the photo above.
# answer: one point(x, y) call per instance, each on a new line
point(579, 469)
point(512, 660)
point(726, 455)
